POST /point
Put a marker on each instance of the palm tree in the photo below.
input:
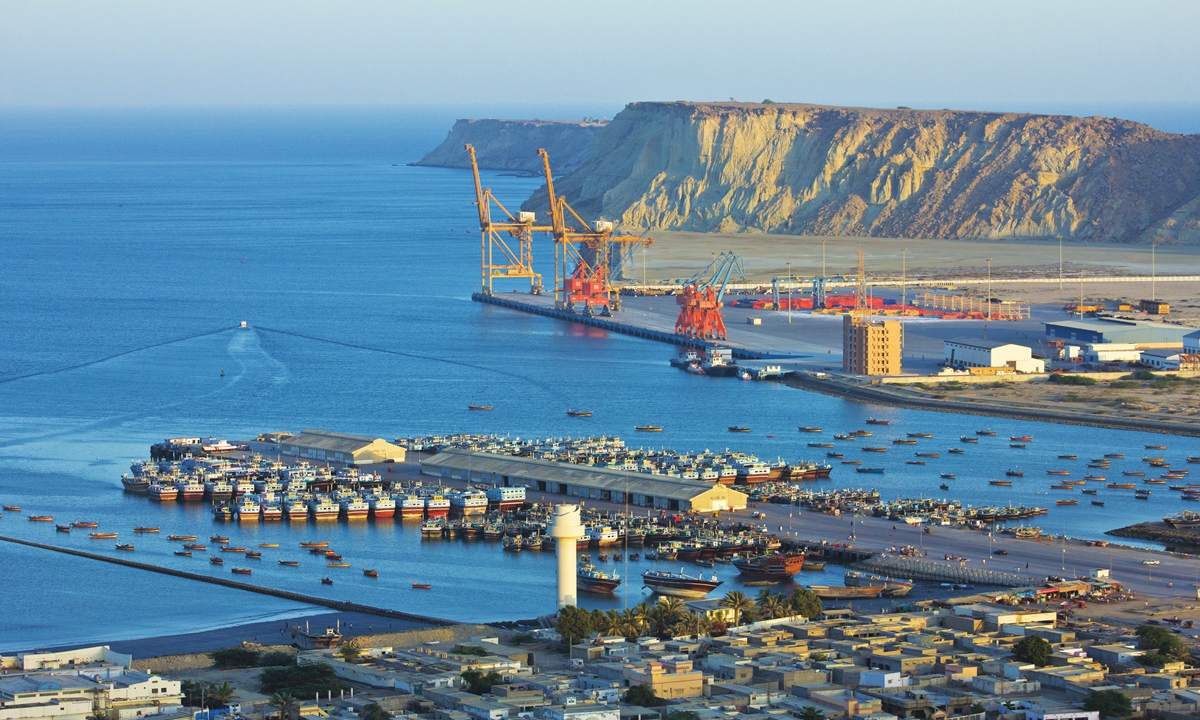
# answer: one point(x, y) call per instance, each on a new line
point(812, 713)
point(219, 695)
point(632, 622)
point(673, 605)
point(612, 623)
point(285, 703)
point(737, 601)
point(694, 625)
point(771, 604)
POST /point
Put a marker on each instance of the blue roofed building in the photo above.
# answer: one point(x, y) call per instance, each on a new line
point(1143, 333)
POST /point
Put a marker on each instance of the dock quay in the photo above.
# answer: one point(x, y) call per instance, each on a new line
point(843, 555)
point(541, 305)
point(342, 605)
point(929, 571)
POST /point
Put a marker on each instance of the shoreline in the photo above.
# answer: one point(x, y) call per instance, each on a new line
point(877, 396)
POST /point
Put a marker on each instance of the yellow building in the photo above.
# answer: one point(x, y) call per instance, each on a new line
point(870, 347)
point(339, 447)
point(669, 679)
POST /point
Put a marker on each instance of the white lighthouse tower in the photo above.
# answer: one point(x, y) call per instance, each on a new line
point(566, 529)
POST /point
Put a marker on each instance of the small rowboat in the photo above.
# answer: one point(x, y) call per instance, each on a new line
point(1089, 492)
point(653, 428)
point(268, 545)
point(807, 429)
point(578, 413)
point(1156, 447)
point(1098, 502)
point(143, 529)
point(967, 439)
point(1058, 472)
point(920, 435)
point(41, 518)
point(1128, 473)
point(738, 428)
point(421, 586)
point(1062, 487)
point(874, 449)
point(253, 555)
point(103, 535)
point(337, 565)
point(929, 455)
point(183, 553)
point(877, 421)
point(988, 433)
point(326, 581)
point(63, 528)
point(241, 571)
point(957, 451)
point(473, 406)
point(914, 462)
point(1121, 486)
point(947, 476)
point(194, 546)
point(1019, 446)
point(1005, 483)
point(314, 544)
point(1094, 478)
point(1117, 456)
point(216, 560)
point(228, 548)
point(218, 539)
point(820, 445)
point(370, 573)
point(12, 508)
point(1066, 502)
point(1068, 457)
point(289, 563)
point(333, 556)
point(181, 537)
point(124, 547)
point(1021, 438)
point(852, 462)
point(85, 524)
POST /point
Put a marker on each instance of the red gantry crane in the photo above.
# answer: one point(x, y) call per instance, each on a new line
point(700, 303)
point(589, 284)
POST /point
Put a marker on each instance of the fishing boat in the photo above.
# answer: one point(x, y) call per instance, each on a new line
point(144, 529)
point(1068, 457)
point(306, 544)
point(903, 441)
point(924, 435)
point(213, 559)
point(218, 539)
point(820, 445)
point(1019, 446)
point(876, 471)
point(103, 536)
point(1116, 456)
point(1014, 472)
point(679, 584)
point(265, 545)
point(1121, 486)
point(241, 571)
point(63, 528)
point(1094, 478)
point(988, 433)
point(83, 524)
point(852, 462)
point(326, 581)
point(877, 421)
point(1058, 472)
point(289, 563)
point(232, 549)
point(41, 518)
point(845, 437)
point(892, 587)
point(578, 413)
point(1066, 502)
point(808, 429)
point(834, 455)
point(780, 567)
point(370, 573)
point(338, 564)
point(862, 433)
point(914, 462)
point(181, 538)
point(829, 592)
point(473, 406)
point(416, 586)
point(943, 486)
point(967, 439)
point(1005, 483)
point(1064, 486)
point(948, 476)
point(1156, 447)
point(738, 429)
point(194, 546)
point(589, 579)
point(1098, 502)
point(928, 455)
point(1132, 473)
point(875, 449)
point(124, 547)
point(183, 553)
point(12, 508)
point(1021, 438)
point(653, 428)
point(253, 555)
point(956, 451)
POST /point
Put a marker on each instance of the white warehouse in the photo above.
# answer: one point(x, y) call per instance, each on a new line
point(968, 353)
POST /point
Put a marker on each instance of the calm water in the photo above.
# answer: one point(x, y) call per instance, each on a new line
point(124, 279)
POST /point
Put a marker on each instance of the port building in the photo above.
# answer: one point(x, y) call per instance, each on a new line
point(1143, 333)
point(870, 347)
point(971, 353)
point(585, 481)
point(340, 447)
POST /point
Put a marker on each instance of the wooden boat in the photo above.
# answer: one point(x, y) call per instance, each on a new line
point(929, 455)
point(253, 555)
point(103, 535)
point(63, 528)
point(1019, 446)
point(808, 429)
point(967, 439)
point(904, 441)
point(834, 455)
point(41, 518)
point(876, 471)
point(914, 462)
point(144, 529)
point(877, 421)
point(194, 546)
point(1121, 486)
point(1058, 472)
point(1015, 472)
point(218, 539)
point(920, 435)
point(653, 428)
point(213, 559)
point(948, 476)
point(332, 556)
point(421, 586)
point(268, 545)
point(944, 486)
point(820, 445)
point(337, 565)
point(1089, 492)
point(988, 433)
point(182, 538)
point(1098, 502)
point(1066, 502)
point(1005, 483)
point(1156, 447)
point(1129, 473)
point(183, 553)
point(845, 437)
point(85, 524)
point(12, 508)
point(241, 571)
point(1116, 456)
point(473, 406)
point(1021, 438)
point(124, 547)
point(874, 449)
point(326, 581)
point(314, 544)
point(829, 592)
point(956, 451)
point(852, 462)
point(1062, 487)
point(1094, 478)
point(738, 428)
point(1074, 482)
point(289, 563)
point(1068, 457)
point(370, 573)
point(578, 413)
point(1154, 481)
point(862, 433)
point(229, 548)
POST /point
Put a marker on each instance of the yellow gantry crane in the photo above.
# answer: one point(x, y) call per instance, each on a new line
point(511, 264)
point(589, 283)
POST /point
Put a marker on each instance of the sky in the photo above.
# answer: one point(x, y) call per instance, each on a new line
point(974, 54)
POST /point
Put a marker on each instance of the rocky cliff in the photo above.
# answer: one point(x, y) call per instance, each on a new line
point(807, 169)
point(513, 145)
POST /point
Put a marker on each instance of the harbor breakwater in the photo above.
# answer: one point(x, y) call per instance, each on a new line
point(342, 605)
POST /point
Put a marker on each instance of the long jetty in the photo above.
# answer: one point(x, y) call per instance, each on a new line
point(912, 568)
point(616, 326)
point(342, 605)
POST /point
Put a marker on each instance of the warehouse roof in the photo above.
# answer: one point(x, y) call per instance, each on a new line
point(559, 472)
point(1101, 324)
point(981, 344)
point(325, 440)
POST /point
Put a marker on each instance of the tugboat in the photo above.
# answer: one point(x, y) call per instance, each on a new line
point(770, 568)
point(679, 584)
point(589, 579)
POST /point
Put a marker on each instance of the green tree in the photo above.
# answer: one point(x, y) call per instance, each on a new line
point(737, 601)
point(1152, 636)
point(977, 708)
point(284, 703)
point(574, 624)
point(219, 695)
point(374, 711)
point(772, 604)
point(812, 713)
point(193, 692)
point(477, 682)
point(1109, 703)
point(805, 602)
point(1033, 649)
point(276, 658)
point(1152, 659)
point(350, 651)
point(234, 658)
point(641, 694)
point(469, 650)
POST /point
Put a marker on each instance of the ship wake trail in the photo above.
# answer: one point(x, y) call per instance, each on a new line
point(417, 356)
point(123, 353)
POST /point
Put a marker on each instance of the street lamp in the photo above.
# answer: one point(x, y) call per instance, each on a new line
point(903, 277)
point(789, 293)
point(1060, 274)
point(1152, 270)
point(989, 290)
point(823, 274)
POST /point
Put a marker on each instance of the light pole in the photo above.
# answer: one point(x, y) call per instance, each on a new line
point(789, 293)
point(823, 259)
point(1153, 267)
point(989, 290)
point(904, 277)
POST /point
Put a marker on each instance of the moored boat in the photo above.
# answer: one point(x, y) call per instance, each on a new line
point(892, 587)
point(780, 567)
point(830, 592)
point(679, 584)
point(592, 580)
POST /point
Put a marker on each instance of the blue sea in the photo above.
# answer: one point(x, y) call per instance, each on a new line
point(133, 247)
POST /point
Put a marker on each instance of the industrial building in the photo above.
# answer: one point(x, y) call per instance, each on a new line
point(970, 353)
point(870, 347)
point(1191, 342)
point(1170, 359)
point(1143, 333)
point(585, 481)
point(339, 447)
